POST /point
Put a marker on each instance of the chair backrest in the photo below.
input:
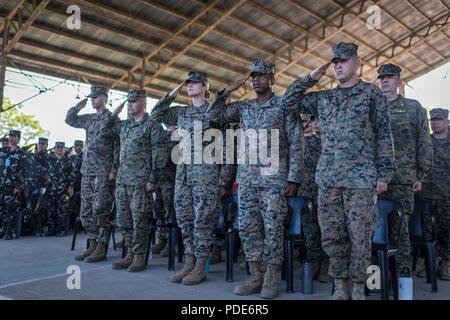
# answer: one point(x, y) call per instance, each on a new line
point(422, 208)
point(296, 205)
point(385, 207)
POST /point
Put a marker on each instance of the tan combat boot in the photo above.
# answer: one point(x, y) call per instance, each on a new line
point(341, 291)
point(99, 254)
point(252, 285)
point(269, 288)
point(138, 263)
point(216, 255)
point(159, 246)
point(443, 270)
point(197, 274)
point(421, 269)
point(189, 264)
point(90, 250)
point(358, 291)
point(125, 262)
point(323, 275)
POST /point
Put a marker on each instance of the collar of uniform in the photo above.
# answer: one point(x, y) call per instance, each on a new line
point(266, 104)
point(353, 90)
point(104, 114)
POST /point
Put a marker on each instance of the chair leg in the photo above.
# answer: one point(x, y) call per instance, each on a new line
point(113, 235)
point(75, 231)
point(151, 235)
point(427, 264)
point(394, 279)
point(229, 243)
point(289, 260)
point(19, 224)
point(384, 268)
point(180, 246)
point(415, 256)
point(172, 242)
point(237, 244)
point(431, 253)
point(124, 250)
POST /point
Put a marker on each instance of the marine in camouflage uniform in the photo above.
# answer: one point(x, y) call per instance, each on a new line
point(60, 185)
point(141, 160)
point(308, 188)
point(13, 171)
point(437, 190)
point(262, 201)
point(100, 163)
point(196, 184)
point(413, 155)
point(357, 159)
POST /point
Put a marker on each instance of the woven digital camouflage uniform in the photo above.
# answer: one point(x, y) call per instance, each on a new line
point(13, 171)
point(262, 204)
point(308, 188)
point(60, 176)
point(142, 157)
point(196, 185)
point(100, 158)
point(357, 151)
point(37, 171)
point(413, 156)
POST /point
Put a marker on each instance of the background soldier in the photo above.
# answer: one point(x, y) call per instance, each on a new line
point(99, 168)
point(5, 142)
point(60, 186)
point(413, 153)
point(437, 190)
point(262, 201)
point(77, 161)
point(13, 171)
point(357, 161)
point(141, 161)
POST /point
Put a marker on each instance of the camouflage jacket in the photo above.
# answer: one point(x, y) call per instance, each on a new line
point(357, 145)
point(101, 152)
point(77, 161)
point(60, 175)
point(13, 170)
point(184, 118)
point(37, 171)
point(412, 143)
point(437, 185)
point(269, 118)
point(308, 187)
point(142, 154)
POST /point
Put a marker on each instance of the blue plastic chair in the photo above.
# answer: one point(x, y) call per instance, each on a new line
point(293, 233)
point(417, 238)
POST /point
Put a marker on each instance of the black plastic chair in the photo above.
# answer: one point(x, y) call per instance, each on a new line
point(293, 234)
point(32, 210)
point(416, 225)
point(383, 248)
point(175, 238)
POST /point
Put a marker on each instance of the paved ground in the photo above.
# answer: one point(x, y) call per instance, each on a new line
point(36, 268)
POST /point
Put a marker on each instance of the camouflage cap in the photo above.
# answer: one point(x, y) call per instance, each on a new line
point(389, 70)
point(262, 66)
point(439, 113)
point(197, 76)
point(43, 140)
point(15, 133)
point(97, 91)
point(136, 94)
point(60, 144)
point(344, 51)
point(78, 143)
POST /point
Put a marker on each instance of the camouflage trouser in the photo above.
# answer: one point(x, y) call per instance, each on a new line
point(11, 203)
point(262, 214)
point(311, 230)
point(164, 198)
point(347, 219)
point(405, 196)
point(57, 208)
point(443, 228)
point(133, 214)
point(197, 210)
point(96, 201)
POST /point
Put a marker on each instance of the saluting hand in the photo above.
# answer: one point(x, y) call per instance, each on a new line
point(177, 90)
point(318, 73)
point(80, 105)
point(119, 108)
point(236, 85)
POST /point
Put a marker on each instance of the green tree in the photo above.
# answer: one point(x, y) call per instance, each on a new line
point(15, 119)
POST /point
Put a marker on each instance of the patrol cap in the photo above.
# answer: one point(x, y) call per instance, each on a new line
point(344, 51)
point(60, 144)
point(15, 133)
point(439, 114)
point(262, 66)
point(197, 76)
point(78, 143)
point(389, 70)
point(43, 141)
point(97, 91)
point(136, 94)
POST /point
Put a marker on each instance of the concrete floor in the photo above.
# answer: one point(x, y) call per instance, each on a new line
point(36, 268)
